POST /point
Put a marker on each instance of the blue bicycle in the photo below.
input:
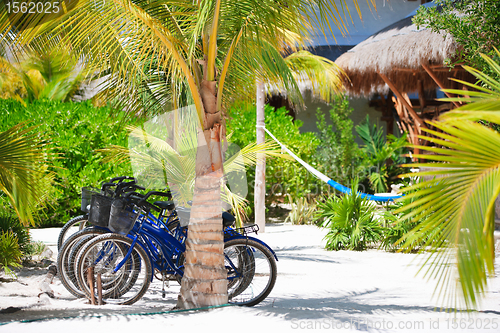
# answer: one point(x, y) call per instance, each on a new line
point(118, 268)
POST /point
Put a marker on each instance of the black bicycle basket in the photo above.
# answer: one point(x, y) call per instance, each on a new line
point(87, 197)
point(122, 217)
point(100, 207)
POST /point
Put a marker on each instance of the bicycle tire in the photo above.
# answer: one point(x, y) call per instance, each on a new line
point(246, 261)
point(256, 271)
point(80, 220)
point(104, 253)
point(66, 258)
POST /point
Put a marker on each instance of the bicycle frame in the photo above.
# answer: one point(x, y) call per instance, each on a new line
point(159, 244)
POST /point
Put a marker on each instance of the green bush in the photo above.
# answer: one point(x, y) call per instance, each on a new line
point(473, 24)
point(338, 156)
point(10, 254)
point(383, 156)
point(34, 249)
point(14, 232)
point(351, 221)
point(302, 212)
point(76, 131)
point(402, 234)
point(10, 223)
point(283, 176)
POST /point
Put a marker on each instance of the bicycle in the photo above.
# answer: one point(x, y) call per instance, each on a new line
point(74, 242)
point(114, 258)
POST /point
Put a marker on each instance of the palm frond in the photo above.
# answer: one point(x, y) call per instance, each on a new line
point(460, 203)
point(484, 99)
point(24, 177)
point(323, 75)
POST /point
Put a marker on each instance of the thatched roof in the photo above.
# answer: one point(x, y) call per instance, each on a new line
point(398, 52)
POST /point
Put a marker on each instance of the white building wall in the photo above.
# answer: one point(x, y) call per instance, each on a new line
point(360, 110)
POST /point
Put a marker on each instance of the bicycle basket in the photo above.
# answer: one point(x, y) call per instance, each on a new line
point(100, 207)
point(87, 197)
point(122, 217)
point(183, 213)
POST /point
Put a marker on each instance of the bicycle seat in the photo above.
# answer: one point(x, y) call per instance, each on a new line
point(227, 219)
point(168, 205)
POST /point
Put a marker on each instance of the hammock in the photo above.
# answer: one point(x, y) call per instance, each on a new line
point(375, 197)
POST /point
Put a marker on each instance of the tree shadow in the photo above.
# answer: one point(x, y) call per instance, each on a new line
point(343, 309)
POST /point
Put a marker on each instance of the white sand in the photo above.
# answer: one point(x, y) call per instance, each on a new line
point(372, 291)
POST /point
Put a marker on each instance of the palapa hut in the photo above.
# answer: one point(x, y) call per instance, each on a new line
point(401, 60)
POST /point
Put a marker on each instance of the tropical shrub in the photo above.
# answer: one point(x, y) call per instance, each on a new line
point(33, 249)
point(10, 223)
point(337, 155)
point(351, 221)
point(51, 75)
point(10, 254)
point(302, 212)
point(17, 244)
point(11, 84)
point(472, 23)
point(384, 155)
point(42, 75)
point(76, 132)
point(399, 226)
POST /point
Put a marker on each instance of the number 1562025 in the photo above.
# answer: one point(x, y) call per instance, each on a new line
point(29, 7)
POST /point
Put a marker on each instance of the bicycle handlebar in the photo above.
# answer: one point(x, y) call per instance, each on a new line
point(117, 181)
point(120, 179)
point(105, 186)
point(132, 188)
point(120, 187)
point(162, 194)
point(141, 202)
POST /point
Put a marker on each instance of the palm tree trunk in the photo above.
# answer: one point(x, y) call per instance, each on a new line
point(205, 279)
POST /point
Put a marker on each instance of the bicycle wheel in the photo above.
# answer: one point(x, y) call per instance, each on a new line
point(125, 278)
point(77, 223)
point(251, 271)
point(237, 283)
point(66, 259)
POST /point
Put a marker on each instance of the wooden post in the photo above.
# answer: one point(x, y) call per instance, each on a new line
point(399, 109)
point(90, 281)
point(438, 82)
point(396, 92)
point(260, 169)
point(421, 94)
point(99, 289)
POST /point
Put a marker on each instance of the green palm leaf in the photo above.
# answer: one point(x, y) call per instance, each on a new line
point(461, 204)
point(483, 100)
point(23, 174)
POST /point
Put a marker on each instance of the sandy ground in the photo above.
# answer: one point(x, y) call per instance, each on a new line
point(371, 291)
